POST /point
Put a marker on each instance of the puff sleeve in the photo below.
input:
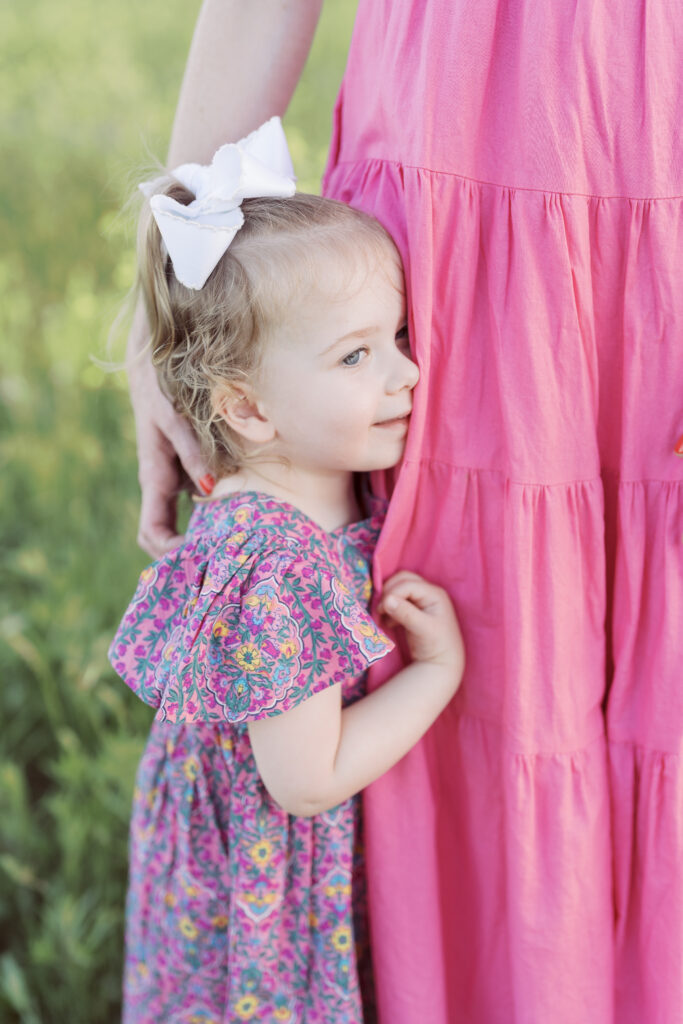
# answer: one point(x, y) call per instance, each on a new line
point(290, 631)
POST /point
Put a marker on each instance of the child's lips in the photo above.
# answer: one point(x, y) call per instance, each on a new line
point(396, 422)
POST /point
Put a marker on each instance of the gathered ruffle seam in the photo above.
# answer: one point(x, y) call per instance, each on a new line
point(494, 184)
point(530, 754)
point(645, 750)
point(484, 470)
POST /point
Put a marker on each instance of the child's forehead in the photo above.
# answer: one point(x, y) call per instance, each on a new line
point(370, 299)
point(348, 273)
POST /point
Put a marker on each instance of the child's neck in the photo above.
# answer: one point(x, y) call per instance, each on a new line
point(329, 500)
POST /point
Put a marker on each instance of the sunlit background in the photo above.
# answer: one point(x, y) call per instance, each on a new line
point(87, 96)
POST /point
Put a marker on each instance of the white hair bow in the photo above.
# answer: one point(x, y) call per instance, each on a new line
point(196, 236)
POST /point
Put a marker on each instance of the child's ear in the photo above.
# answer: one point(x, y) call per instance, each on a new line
point(239, 406)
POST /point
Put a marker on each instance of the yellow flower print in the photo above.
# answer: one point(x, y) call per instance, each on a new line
point(241, 515)
point(341, 938)
point(170, 900)
point(288, 648)
point(261, 852)
point(369, 632)
point(248, 657)
point(259, 899)
point(187, 928)
point(282, 1013)
point(336, 892)
point(191, 768)
point(191, 891)
point(266, 602)
point(367, 590)
point(238, 538)
point(241, 558)
point(221, 628)
point(220, 921)
point(241, 688)
point(143, 970)
point(246, 1007)
point(226, 743)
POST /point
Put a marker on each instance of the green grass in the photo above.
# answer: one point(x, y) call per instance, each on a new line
point(87, 96)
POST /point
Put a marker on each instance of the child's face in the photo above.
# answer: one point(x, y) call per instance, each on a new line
point(337, 379)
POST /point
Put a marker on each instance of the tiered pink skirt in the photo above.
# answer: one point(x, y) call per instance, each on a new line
point(526, 859)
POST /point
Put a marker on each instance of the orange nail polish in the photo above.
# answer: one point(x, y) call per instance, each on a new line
point(679, 446)
point(207, 483)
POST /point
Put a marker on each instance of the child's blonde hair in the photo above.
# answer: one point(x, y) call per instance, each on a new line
point(204, 341)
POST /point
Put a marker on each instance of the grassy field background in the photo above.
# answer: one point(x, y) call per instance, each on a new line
point(87, 95)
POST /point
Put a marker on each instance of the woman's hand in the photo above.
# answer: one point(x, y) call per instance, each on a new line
point(167, 449)
point(426, 614)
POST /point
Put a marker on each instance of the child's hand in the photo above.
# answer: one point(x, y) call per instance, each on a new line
point(427, 616)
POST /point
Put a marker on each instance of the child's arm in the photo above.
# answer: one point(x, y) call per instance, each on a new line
point(318, 754)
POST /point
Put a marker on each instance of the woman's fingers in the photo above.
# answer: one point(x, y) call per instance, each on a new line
point(156, 530)
point(154, 413)
point(166, 447)
point(186, 446)
point(159, 483)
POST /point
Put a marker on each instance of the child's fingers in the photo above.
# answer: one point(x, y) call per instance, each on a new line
point(424, 595)
point(401, 575)
point(404, 612)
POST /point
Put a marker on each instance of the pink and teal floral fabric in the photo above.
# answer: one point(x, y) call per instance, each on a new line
point(236, 910)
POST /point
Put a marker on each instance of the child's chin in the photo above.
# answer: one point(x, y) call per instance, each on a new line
point(387, 463)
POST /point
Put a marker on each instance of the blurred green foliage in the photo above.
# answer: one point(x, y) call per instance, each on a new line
point(87, 98)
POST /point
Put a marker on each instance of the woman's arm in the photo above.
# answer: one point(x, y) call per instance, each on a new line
point(316, 755)
point(245, 61)
point(244, 64)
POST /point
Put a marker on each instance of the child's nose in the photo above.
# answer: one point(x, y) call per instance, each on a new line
point(406, 373)
point(413, 372)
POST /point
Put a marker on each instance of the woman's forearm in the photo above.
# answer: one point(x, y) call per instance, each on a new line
point(244, 63)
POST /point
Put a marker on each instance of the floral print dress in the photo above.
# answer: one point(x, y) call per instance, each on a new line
point(236, 910)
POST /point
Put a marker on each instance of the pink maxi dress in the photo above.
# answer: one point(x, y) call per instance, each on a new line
point(526, 860)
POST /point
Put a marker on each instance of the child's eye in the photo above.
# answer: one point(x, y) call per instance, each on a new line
point(402, 337)
point(353, 358)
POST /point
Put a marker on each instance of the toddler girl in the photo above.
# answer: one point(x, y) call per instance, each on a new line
point(279, 329)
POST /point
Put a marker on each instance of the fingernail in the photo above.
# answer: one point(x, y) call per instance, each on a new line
point(390, 602)
point(679, 446)
point(207, 483)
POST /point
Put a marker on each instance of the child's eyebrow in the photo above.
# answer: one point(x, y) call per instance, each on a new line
point(361, 332)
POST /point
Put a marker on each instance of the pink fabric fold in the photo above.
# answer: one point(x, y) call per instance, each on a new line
point(528, 161)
